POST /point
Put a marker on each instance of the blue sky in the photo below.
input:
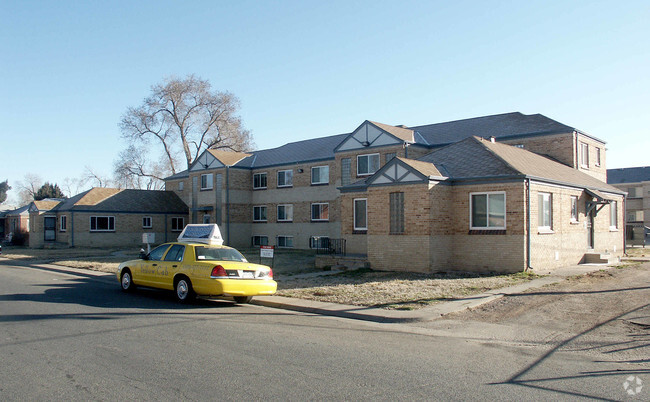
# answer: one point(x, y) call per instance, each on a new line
point(304, 69)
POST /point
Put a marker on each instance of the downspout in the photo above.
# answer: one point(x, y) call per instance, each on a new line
point(528, 267)
point(625, 225)
point(227, 205)
point(71, 228)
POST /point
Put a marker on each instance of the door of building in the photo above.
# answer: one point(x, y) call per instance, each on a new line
point(49, 226)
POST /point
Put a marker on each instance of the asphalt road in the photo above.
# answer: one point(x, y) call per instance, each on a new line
point(78, 337)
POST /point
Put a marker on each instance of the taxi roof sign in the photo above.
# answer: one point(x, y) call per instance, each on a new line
point(202, 233)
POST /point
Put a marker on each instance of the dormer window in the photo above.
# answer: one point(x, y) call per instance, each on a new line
point(367, 164)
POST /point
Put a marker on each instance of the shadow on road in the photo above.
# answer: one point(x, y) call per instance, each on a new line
point(523, 377)
point(105, 292)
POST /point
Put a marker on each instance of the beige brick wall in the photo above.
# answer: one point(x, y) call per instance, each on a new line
point(594, 169)
point(568, 242)
point(128, 230)
point(559, 146)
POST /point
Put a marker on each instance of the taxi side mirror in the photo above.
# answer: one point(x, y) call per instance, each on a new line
point(143, 255)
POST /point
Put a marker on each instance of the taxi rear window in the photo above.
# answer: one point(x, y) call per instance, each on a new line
point(218, 254)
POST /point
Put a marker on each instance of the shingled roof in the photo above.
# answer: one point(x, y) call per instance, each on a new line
point(499, 126)
point(116, 201)
point(507, 125)
point(628, 175)
point(476, 158)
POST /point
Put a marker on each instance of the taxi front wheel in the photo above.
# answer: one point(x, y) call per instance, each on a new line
point(127, 281)
point(184, 291)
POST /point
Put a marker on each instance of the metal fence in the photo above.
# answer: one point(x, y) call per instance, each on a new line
point(330, 246)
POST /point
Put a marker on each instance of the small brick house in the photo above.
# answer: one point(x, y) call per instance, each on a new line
point(312, 194)
point(13, 221)
point(107, 217)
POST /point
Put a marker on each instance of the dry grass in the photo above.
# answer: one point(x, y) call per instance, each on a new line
point(638, 252)
point(404, 291)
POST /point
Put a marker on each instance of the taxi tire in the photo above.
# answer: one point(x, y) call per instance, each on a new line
point(183, 290)
point(127, 286)
point(242, 299)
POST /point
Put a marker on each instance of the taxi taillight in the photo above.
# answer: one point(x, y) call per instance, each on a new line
point(218, 271)
point(270, 273)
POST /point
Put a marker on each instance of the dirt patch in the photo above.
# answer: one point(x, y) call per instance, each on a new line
point(394, 290)
point(591, 311)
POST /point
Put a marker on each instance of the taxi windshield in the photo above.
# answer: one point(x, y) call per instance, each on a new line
point(204, 253)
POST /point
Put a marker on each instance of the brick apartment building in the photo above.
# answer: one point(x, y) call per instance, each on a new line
point(636, 182)
point(494, 193)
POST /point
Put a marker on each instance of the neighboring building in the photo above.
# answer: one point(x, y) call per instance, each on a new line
point(107, 217)
point(14, 221)
point(306, 194)
point(636, 182)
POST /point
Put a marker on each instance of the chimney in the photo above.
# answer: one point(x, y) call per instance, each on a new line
point(492, 139)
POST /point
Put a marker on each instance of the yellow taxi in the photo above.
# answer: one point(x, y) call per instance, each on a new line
point(198, 265)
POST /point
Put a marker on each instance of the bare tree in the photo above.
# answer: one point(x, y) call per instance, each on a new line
point(28, 188)
point(72, 186)
point(132, 169)
point(95, 179)
point(182, 117)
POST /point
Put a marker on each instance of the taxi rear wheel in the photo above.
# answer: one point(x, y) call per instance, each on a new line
point(184, 291)
point(243, 299)
point(126, 281)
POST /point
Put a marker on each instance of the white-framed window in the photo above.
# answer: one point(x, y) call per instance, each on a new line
point(488, 210)
point(63, 223)
point(360, 214)
point(584, 155)
point(544, 211)
point(613, 215)
point(181, 185)
point(320, 175)
point(284, 241)
point(396, 206)
point(285, 213)
point(285, 178)
point(597, 156)
point(259, 213)
point(574, 208)
point(146, 222)
point(259, 181)
point(206, 181)
point(367, 164)
point(319, 242)
point(102, 223)
point(260, 241)
point(320, 211)
point(178, 223)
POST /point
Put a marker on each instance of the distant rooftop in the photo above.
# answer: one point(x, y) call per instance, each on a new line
point(628, 175)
